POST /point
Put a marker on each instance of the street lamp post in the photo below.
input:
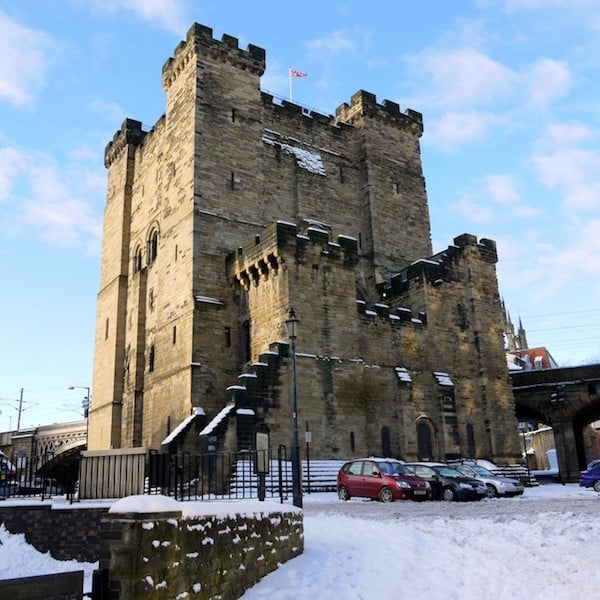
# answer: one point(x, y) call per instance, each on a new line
point(85, 404)
point(291, 324)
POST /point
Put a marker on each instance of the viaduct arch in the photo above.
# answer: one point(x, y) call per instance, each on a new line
point(567, 399)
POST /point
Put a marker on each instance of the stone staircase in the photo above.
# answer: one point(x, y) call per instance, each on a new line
point(317, 476)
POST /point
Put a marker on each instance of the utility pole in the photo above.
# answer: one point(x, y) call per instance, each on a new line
point(20, 410)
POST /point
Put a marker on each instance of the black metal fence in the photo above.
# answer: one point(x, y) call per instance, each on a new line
point(183, 476)
point(226, 475)
point(36, 476)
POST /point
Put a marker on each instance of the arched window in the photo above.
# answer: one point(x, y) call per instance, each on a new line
point(151, 358)
point(137, 261)
point(153, 246)
point(424, 440)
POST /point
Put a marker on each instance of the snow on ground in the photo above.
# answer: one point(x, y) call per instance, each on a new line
point(544, 545)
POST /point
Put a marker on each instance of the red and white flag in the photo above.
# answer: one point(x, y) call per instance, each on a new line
point(294, 73)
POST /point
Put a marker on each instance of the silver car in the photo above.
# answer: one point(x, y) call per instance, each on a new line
point(496, 485)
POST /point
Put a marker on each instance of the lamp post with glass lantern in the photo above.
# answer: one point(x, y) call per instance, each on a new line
point(85, 404)
point(291, 324)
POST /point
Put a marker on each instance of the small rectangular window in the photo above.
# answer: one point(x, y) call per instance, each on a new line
point(234, 181)
point(227, 337)
point(151, 358)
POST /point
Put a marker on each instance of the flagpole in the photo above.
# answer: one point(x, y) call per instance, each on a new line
point(290, 79)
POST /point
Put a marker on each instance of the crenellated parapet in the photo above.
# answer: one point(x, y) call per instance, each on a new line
point(438, 268)
point(200, 41)
point(264, 256)
point(364, 104)
point(130, 133)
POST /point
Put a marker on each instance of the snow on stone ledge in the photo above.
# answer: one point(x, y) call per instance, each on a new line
point(217, 419)
point(142, 504)
point(197, 411)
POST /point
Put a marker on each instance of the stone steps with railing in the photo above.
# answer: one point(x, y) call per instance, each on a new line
point(317, 476)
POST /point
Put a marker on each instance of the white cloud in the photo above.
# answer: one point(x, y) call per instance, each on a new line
point(12, 162)
point(463, 77)
point(563, 162)
point(171, 15)
point(495, 198)
point(547, 80)
point(62, 207)
point(454, 129)
point(24, 60)
point(337, 43)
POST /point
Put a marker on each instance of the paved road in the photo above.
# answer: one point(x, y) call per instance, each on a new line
point(587, 502)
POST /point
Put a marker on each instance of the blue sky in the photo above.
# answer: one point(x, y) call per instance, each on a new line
point(509, 91)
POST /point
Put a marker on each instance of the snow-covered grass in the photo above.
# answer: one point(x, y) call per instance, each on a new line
point(544, 545)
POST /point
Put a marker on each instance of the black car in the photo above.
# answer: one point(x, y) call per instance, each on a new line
point(450, 483)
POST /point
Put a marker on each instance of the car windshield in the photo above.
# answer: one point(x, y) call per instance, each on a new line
point(394, 468)
point(447, 472)
point(481, 471)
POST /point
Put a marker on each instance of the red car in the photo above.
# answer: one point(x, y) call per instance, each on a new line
point(385, 479)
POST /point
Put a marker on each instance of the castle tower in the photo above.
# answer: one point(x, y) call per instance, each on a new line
point(395, 212)
point(237, 206)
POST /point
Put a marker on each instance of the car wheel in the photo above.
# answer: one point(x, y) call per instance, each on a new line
point(385, 494)
point(343, 493)
point(492, 491)
point(448, 494)
point(597, 486)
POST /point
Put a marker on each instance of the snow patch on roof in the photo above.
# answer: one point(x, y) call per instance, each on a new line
point(403, 374)
point(443, 378)
point(208, 300)
point(311, 161)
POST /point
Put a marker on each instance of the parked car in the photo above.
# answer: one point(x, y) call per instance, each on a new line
point(380, 478)
point(40, 485)
point(454, 485)
point(591, 476)
point(497, 486)
point(7, 469)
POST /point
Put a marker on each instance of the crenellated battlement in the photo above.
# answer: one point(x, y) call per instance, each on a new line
point(437, 269)
point(364, 104)
point(200, 41)
point(268, 251)
point(131, 132)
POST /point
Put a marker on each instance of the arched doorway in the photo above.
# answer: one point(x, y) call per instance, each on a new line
point(425, 436)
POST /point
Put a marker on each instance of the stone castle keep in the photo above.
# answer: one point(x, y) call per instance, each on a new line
point(236, 207)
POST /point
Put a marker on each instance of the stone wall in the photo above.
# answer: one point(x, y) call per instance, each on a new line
point(164, 555)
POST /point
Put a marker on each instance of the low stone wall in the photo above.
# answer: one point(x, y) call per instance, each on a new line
point(218, 553)
point(66, 533)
